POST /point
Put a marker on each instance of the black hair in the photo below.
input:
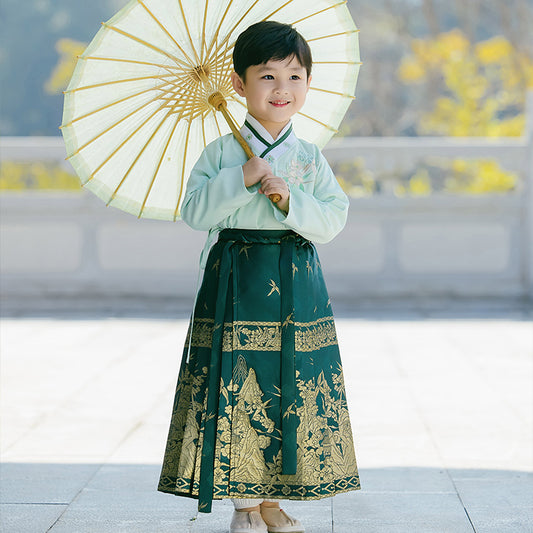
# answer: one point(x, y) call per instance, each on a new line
point(268, 40)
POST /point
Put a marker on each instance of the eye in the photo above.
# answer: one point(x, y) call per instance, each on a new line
point(268, 76)
point(295, 77)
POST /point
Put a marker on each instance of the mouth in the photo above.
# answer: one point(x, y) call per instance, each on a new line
point(279, 103)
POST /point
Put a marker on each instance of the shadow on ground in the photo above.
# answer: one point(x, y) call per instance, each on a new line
point(116, 498)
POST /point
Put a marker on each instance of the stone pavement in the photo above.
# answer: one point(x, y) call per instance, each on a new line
point(441, 407)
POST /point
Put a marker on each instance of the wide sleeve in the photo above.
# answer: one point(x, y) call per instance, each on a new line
point(318, 216)
point(213, 193)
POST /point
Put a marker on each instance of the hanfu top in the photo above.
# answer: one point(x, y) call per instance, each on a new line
point(217, 198)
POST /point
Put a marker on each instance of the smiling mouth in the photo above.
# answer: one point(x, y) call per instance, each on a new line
point(279, 103)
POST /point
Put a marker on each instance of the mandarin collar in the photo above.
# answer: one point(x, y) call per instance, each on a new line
point(262, 143)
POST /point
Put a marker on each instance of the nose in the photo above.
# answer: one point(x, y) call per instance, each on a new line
point(281, 87)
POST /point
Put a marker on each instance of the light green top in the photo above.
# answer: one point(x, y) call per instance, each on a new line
point(216, 197)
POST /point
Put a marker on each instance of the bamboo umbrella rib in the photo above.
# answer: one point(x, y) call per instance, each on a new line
point(106, 160)
point(183, 170)
point(214, 39)
point(318, 12)
point(204, 23)
point(203, 132)
point(279, 9)
point(271, 14)
point(114, 82)
point(147, 44)
point(184, 162)
point(190, 100)
point(239, 102)
point(158, 22)
point(220, 68)
point(344, 95)
point(113, 126)
point(188, 32)
point(217, 124)
point(119, 60)
point(231, 116)
point(113, 196)
point(332, 35)
point(318, 122)
point(230, 32)
point(152, 181)
point(94, 111)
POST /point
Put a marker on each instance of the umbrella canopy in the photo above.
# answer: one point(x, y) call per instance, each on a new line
point(140, 107)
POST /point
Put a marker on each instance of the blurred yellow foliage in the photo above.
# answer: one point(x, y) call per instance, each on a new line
point(480, 176)
point(68, 50)
point(15, 176)
point(354, 178)
point(432, 174)
point(487, 80)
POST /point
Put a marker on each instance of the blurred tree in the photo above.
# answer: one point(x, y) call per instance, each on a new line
point(384, 105)
point(486, 82)
point(69, 50)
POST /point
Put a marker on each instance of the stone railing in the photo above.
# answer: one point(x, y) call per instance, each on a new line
point(441, 245)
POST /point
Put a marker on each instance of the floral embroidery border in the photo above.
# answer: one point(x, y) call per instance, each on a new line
point(265, 336)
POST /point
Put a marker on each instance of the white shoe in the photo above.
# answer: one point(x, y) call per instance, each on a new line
point(278, 521)
point(247, 522)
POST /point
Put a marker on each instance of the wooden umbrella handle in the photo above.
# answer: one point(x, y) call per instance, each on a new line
point(219, 103)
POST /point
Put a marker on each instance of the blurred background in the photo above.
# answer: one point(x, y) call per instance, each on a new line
point(435, 153)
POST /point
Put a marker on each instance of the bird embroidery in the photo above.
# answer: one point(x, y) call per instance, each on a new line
point(274, 288)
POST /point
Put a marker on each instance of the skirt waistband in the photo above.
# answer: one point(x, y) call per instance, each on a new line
point(261, 236)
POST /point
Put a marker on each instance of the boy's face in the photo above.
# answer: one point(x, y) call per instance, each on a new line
point(274, 91)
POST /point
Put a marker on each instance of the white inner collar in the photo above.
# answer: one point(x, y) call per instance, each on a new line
point(262, 131)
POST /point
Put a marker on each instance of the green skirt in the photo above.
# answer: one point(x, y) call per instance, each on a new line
point(260, 407)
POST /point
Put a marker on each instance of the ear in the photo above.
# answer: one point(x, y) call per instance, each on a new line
point(238, 84)
point(309, 82)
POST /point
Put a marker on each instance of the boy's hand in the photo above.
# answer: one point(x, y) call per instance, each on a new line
point(273, 185)
point(255, 170)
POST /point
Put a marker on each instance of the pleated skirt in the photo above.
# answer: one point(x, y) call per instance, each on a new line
point(260, 407)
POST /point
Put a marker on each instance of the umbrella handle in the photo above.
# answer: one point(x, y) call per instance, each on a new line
point(220, 104)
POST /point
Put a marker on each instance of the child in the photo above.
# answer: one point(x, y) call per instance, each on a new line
point(260, 412)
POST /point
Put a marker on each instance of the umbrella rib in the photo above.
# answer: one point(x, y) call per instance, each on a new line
point(147, 44)
point(332, 92)
point(158, 167)
point(183, 170)
point(226, 39)
point(238, 101)
point(321, 11)
point(318, 121)
point(114, 82)
point(105, 107)
point(203, 132)
point(166, 31)
point(188, 32)
point(204, 23)
point(113, 126)
point(279, 9)
point(332, 35)
point(216, 122)
point(221, 63)
point(119, 60)
point(137, 157)
point(217, 31)
point(106, 160)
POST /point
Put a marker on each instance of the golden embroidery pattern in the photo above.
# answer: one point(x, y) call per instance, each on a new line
point(246, 462)
point(265, 336)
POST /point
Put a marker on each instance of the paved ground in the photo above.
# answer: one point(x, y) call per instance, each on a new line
point(441, 406)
